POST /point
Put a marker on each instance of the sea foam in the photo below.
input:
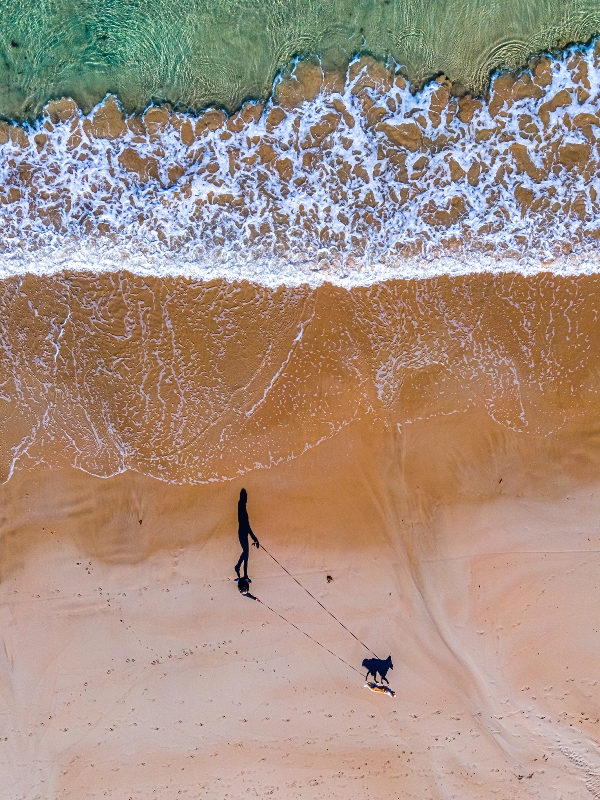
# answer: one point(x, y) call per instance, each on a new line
point(351, 182)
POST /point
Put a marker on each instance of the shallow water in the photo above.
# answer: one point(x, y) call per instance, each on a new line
point(197, 53)
point(194, 382)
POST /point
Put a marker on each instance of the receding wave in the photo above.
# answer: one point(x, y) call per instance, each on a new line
point(350, 180)
point(195, 382)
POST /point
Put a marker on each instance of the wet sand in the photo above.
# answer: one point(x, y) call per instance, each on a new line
point(191, 383)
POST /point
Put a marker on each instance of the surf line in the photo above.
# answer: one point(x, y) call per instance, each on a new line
point(320, 603)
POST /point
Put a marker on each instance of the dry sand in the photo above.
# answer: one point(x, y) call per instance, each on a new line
point(132, 668)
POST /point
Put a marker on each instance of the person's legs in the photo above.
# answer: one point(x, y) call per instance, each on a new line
point(243, 559)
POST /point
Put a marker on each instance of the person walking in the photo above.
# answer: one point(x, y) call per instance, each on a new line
point(244, 531)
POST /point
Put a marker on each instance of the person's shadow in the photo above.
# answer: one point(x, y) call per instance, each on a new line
point(378, 665)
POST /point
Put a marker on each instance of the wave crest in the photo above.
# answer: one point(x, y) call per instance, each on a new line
point(354, 179)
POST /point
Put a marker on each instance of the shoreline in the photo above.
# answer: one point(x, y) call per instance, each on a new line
point(273, 275)
point(197, 382)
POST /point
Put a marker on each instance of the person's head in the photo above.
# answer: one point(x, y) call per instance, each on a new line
point(243, 585)
point(244, 496)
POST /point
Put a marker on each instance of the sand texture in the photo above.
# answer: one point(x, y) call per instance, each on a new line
point(431, 446)
point(131, 666)
point(192, 383)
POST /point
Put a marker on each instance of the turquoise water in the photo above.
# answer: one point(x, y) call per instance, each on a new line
point(202, 52)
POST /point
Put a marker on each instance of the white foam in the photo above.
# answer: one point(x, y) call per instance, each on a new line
point(93, 258)
point(159, 228)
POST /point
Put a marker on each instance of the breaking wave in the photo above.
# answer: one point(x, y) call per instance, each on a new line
point(350, 179)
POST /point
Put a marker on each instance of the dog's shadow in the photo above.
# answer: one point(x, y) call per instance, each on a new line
point(375, 666)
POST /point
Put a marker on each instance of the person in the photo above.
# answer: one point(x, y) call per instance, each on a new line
point(244, 530)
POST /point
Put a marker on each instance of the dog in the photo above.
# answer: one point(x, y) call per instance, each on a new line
point(378, 665)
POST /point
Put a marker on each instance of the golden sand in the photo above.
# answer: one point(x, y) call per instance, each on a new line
point(431, 446)
point(192, 382)
point(132, 665)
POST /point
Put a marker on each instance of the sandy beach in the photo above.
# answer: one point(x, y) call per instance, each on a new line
point(132, 667)
point(251, 245)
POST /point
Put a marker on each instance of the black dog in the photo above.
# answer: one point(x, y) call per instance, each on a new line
point(378, 665)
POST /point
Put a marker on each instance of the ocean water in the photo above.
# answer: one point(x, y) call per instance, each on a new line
point(198, 53)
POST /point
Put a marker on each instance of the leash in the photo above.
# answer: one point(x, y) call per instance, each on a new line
point(322, 606)
point(339, 658)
